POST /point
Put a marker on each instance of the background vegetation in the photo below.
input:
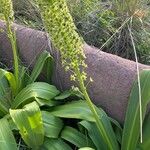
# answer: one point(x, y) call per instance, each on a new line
point(104, 24)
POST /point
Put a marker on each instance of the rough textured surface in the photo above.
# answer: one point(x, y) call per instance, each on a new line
point(113, 76)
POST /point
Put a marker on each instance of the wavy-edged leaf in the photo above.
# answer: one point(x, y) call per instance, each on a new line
point(7, 140)
point(45, 61)
point(52, 125)
point(75, 137)
point(39, 91)
point(132, 121)
point(29, 122)
point(55, 144)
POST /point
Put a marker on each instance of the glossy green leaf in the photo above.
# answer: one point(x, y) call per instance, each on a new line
point(75, 137)
point(7, 140)
point(55, 144)
point(29, 122)
point(39, 91)
point(45, 61)
point(52, 125)
point(132, 121)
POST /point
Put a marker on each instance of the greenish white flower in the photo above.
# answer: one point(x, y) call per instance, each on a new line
point(6, 10)
point(62, 30)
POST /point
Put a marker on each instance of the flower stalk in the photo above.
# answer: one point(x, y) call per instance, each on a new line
point(92, 108)
point(60, 26)
point(8, 16)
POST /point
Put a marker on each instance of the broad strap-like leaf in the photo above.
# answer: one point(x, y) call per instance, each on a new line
point(5, 95)
point(76, 138)
point(145, 145)
point(69, 93)
point(44, 62)
point(10, 78)
point(93, 133)
point(55, 144)
point(86, 148)
point(23, 78)
point(80, 110)
point(117, 129)
point(29, 122)
point(52, 125)
point(132, 121)
point(40, 90)
point(75, 110)
point(7, 140)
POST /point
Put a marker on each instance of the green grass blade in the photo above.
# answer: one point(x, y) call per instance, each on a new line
point(29, 122)
point(132, 121)
point(45, 61)
point(7, 140)
point(52, 125)
point(39, 90)
point(75, 137)
point(55, 144)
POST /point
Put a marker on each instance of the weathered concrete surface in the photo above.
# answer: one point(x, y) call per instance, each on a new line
point(113, 76)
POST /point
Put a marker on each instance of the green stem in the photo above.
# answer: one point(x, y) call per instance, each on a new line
point(12, 38)
point(99, 124)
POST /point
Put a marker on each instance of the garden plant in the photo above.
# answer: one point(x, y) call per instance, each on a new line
point(36, 115)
